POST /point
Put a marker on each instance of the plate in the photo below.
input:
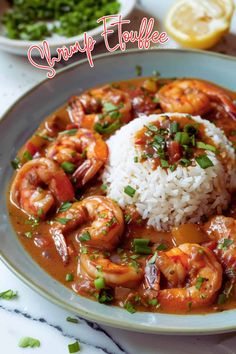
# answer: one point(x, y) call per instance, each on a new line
point(20, 47)
point(24, 117)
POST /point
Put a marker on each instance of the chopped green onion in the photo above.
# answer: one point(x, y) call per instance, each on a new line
point(174, 127)
point(74, 347)
point(27, 156)
point(127, 218)
point(99, 283)
point(62, 221)
point(225, 244)
point(136, 159)
point(65, 206)
point(204, 161)
point(85, 236)
point(40, 212)
point(68, 167)
point(105, 296)
point(153, 302)
point(161, 247)
point(185, 162)
point(69, 277)
point(152, 127)
point(72, 320)
point(201, 145)
point(15, 163)
point(199, 282)
point(164, 163)
point(130, 191)
point(141, 246)
point(138, 70)
point(159, 139)
point(28, 234)
point(69, 131)
point(221, 299)
point(107, 129)
point(152, 260)
point(104, 187)
point(109, 107)
point(45, 137)
point(8, 294)
point(173, 167)
point(129, 307)
point(183, 138)
point(26, 342)
point(115, 115)
point(155, 99)
point(84, 250)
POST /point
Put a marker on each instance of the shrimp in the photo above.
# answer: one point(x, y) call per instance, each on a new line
point(193, 277)
point(84, 150)
point(39, 186)
point(114, 274)
point(222, 231)
point(104, 106)
point(193, 97)
point(105, 229)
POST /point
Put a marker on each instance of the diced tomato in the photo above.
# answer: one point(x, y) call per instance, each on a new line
point(31, 148)
point(174, 151)
point(62, 187)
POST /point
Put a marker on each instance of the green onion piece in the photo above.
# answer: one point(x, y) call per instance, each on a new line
point(62, 221)
point(221, 299)
point(45, 137)
point(26, 342)
point(138, 70)
point(85, 236)
point(65, 206)
point(173, 167)
point(115, 115)
point(153, 302)
point(68, 167)
point(155, 99)
point(201, 145)
point(107, 129)
point(141, 246)
point(130, 191)
point(174, 127)
point(72, 320)
point(69, 277)
point(225, 244)
point(164, 163)
point(74, 347)
point(127, 218)
point(135, 159)
point(152, 127)
point(84, 250)
point(99, 283)
point(104, 187)
point(40, 212)
point(183, 138)
point(161, 247)
point(27, 156)
point(191, 129)
point(129, 307)
point(204, 161)
point(15, 163)
point(199, 282)
point(185, 162)
point(69, 131)
point(109, 107)
point(28, 234)
point(105, 296)
point(8, 294)
point(159, 139)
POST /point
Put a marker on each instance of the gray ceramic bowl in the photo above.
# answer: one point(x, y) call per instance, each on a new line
point(23, 118)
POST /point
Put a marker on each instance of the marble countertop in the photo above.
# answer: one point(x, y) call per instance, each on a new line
point(30, 314)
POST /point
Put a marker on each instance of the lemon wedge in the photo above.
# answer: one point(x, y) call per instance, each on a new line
point(199, 23)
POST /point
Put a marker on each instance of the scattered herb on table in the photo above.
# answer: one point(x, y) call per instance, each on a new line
point(8, 294)
point(30, 342)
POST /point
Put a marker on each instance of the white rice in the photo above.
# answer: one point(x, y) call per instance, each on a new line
point(166, 198)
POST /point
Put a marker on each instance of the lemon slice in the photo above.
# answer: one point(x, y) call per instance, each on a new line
point(199, 23)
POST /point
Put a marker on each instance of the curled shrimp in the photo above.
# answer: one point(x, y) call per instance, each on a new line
point(105, 106)
point(106, 224)
point(193, 277)
point(84, 150)
point(114, 274)
point(193, 97)
point(39, 186)
point(221, 231)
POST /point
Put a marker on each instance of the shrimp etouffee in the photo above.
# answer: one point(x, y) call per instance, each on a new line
point(104, 250)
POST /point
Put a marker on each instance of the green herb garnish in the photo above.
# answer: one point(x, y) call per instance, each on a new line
point(130, 191)
point(129, 307)
point(68, 167)
point(65, 206)
point(72, 319)
point(69, 277)
point(26, 342)
point(15, 163)
point(8, 294)
point(141, 246)
point(138, 70)
point(74, 347)
point(99, 283)
point(85, 236)
point(204, 161)
point(201, 145)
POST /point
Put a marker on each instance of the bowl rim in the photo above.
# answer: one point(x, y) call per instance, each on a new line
point(61, 41)
point(100, 317)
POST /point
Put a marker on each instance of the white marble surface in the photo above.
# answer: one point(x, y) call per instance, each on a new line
point(31, 315)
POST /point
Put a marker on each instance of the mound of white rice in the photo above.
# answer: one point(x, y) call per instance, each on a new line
point(166, 198)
